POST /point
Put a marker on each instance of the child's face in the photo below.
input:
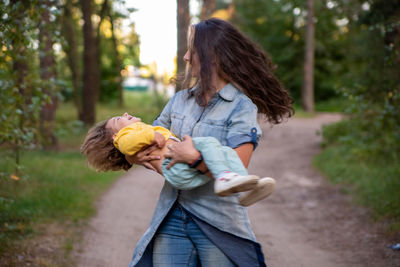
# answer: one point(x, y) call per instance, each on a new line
point(119, 122)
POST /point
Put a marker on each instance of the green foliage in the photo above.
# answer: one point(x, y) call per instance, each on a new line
point(109, 73)
point(22, 91)
point(372, 84)
point(359, 136)
point(130, 53)
point(338, 104)
point(109, 83)
point(375, 180)
point(356, 58)
point(279, 27)
point(59, 188)
point(127, 49)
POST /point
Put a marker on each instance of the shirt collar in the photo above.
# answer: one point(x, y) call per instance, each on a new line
point(228, 92)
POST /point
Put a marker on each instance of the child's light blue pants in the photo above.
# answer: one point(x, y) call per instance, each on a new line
point(218, 158)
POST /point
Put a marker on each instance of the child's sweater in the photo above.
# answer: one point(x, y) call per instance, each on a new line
point(132, 138)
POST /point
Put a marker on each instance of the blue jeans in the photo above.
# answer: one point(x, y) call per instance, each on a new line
point(180, 242)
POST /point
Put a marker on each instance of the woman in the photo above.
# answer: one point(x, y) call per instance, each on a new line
point(231, 80)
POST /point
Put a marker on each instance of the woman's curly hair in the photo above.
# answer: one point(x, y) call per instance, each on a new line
point(238, 60)
point(100, 151)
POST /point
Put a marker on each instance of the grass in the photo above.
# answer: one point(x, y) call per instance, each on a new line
point(331, 105)
point(57, 187)
point(375, 182)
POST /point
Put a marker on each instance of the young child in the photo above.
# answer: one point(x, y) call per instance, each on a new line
point(107, 143)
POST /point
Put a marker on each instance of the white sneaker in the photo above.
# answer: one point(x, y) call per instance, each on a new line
point(264, 188)
point(231, 183)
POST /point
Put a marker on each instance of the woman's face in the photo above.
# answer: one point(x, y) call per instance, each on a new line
point(119, 122)
point(193, 59)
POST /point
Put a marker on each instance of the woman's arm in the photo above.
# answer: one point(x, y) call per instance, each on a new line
point(186, 152)
point(244, 152)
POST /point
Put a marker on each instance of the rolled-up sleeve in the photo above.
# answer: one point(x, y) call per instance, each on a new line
point(243, 127)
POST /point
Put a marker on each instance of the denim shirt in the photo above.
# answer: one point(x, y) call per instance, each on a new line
point(231, 117)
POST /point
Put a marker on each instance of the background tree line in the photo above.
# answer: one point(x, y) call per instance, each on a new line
point(356, 46)
point(356, 70)
point(54, 50)
point(74, 50)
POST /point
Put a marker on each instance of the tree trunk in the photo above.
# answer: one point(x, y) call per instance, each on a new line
point(71, 51)
point(21, 69)
point(308, 82)
point(90, 64)
point(118, 62)
point(207, 9)
point(183, 20)
point(105, 8)
point(47, 74)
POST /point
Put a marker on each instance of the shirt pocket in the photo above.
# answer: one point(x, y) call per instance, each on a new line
point(214, 128)
point(176, 123)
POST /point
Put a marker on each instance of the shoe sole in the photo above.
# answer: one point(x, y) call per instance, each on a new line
point(264, 188)
point(241, 186)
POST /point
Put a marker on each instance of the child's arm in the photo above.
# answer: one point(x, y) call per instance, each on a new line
point(159, 139)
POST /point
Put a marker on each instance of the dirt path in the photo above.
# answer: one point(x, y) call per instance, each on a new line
point(306, 222)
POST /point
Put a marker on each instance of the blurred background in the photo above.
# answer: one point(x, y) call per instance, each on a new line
point(66, 64)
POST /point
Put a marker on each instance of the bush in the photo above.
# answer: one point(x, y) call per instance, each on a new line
point(367, 163)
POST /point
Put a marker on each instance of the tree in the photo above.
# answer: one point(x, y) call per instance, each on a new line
point(279, 27)
point(373, 84)
point(20, 67)
point(22, 96)
point(48, 75)
point(90, 89)
point(274, 25)
point(207, 9)
point(109, 54)
point(308, 80)
point(103, 13)
point(183, 21)
point(130, 54)
point(70, 46)
point(118, 62)
point(108, 12)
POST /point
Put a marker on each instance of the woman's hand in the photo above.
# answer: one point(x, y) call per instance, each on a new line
point(184, 152)
point(143, 157)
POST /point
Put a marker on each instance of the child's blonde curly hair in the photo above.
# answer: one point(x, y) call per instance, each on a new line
point(100, 151)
